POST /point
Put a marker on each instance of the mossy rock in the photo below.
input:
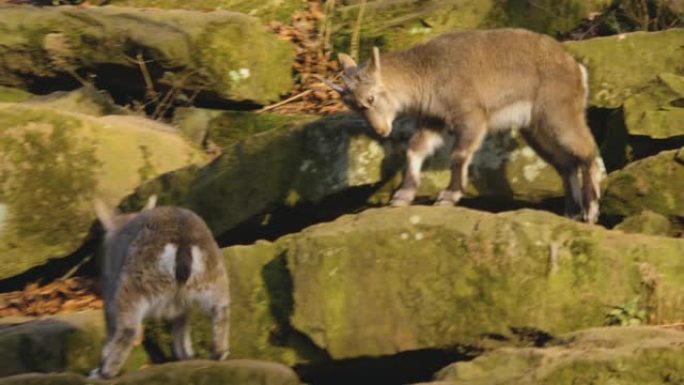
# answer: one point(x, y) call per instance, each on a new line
point(53, 164)
point(13, 95)
point(655, 183)
point(272, 161)
point(228, 55)
point(395, 26)
point(614, 74)
point(626, 356)
point(266, 10)
point(647, 222)
point(66, 342)
point(86, 100)
point(398, 279)
point(45, 379)
point(658, 111)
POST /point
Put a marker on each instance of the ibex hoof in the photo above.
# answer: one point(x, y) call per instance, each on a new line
point(95, 374)
point(399, 203)
point(448, 198)
point(221, 356)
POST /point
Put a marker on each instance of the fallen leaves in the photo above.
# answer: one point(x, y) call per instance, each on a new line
point(66, 295)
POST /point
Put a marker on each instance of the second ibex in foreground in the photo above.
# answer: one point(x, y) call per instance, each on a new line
point(159, 263)
point(470, 83)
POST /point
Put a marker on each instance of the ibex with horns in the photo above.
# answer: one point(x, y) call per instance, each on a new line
point(470, 83)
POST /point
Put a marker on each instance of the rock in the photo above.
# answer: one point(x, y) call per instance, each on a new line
point(646, 222)
point(13, 95)
point(658, 111)
point(629, 356)
point(86, 100)
point(44, 379)
point(66, 342)
point(399, 279)
point(231, 372)
point(224, 55)
point(296, 160)
point(53, 164)
point(394, 27)
point(655, 183)
point(266, 10)
point(614, 75)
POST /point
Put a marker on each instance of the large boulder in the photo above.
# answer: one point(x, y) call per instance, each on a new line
point(655, 183)
point(292, 160)
point(400, 279)
point(224, 55)
point(54, 163)
point(627, 356)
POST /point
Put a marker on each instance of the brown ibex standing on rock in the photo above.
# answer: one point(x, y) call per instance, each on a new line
point(159, 262)
point(470, 83)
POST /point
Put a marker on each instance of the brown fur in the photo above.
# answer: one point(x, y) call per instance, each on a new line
point(143, 276)
point(469, 83)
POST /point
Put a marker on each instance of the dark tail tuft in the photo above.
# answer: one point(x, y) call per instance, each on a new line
point(183, 263)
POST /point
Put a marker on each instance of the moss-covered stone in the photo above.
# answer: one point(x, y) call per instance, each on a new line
point(614, 72)
point(266, 10)
point(233, 372)
point(226, 54)
point(396, 279)
point(86, 100)
point(657, 111)
point(393, 26)
point(655, 183)
point(647, 222)
point(67, 342)
point(290, 160)
point(13, 95)
point(627, 356)
point(52, 165)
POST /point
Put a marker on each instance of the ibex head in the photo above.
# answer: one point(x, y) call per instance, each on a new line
point(365, 92)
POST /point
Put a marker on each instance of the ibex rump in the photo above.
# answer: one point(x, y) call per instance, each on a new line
point(470, 83)
point(159, 263)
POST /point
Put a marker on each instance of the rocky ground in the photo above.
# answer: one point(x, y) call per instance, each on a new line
point(224, 113)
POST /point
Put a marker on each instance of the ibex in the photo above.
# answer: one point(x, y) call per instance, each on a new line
point(470, 83)
point(159, 262)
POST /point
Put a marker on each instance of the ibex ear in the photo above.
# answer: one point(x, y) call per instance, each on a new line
point(375, 61)
point(348, 64)
point(151, 202)
point(105, 215)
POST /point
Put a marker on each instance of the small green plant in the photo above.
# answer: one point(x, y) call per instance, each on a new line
point(627, 314)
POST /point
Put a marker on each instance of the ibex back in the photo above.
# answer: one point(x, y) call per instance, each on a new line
point(159, 263)
point(469, 83)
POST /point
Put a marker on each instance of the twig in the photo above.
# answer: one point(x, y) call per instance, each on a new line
point(149, 85)
point(288, 100)
point(356, 33)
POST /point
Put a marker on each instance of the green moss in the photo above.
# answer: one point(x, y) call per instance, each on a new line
point(52, 166)
point(658, 111)
point(653, 183)
point(630, 356)
point(390, 280)
point(265, 10)
point(228, 128)
point(613, 74)
point(647, 222)
point(13, 95)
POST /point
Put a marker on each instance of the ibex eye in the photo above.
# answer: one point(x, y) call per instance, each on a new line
point(370, 100)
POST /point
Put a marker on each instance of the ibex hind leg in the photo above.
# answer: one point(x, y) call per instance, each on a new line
point(591, 190)
point(119, 346)
point(182, 343)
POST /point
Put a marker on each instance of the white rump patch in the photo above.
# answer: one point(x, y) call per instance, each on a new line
point(518, 114)
point(167, 259)
point(197, 260)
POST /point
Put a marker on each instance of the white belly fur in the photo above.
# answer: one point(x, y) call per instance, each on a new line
point(517, 114)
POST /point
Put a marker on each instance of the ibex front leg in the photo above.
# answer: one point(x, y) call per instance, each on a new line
point(422, 144)
point(469, 138)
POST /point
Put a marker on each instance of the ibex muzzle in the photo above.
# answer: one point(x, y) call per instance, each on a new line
point(470, 83)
